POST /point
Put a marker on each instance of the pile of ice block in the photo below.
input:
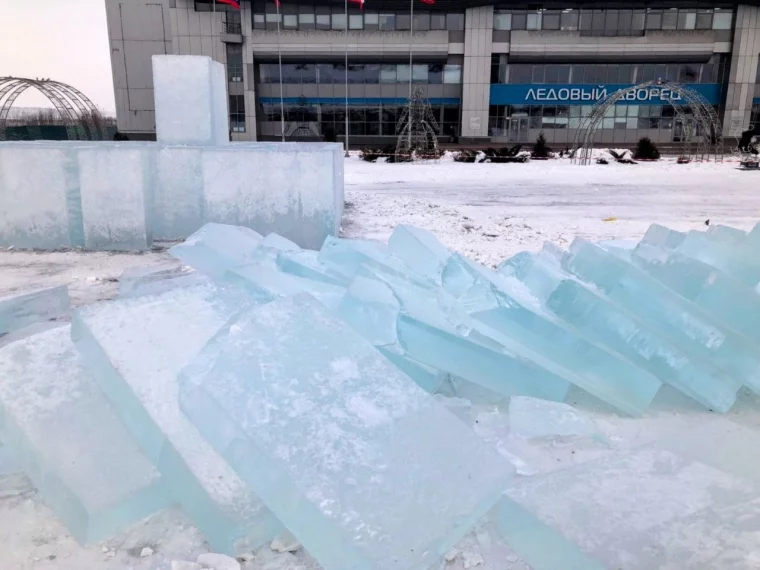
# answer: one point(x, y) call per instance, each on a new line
point(122, 196)
point(274, 386)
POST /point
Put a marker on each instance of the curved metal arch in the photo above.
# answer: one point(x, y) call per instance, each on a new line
point(705, 119)
point(72, 105)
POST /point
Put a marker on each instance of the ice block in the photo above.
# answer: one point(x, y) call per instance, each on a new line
point(660, 236)
point(295, 191)
point(178, 199)
point(305, 263)
point(136, 348)
point(57, 422)
point(116, 184)
point(738, 260)
point(665, 311)
point(727, 234)
point(20, 310)
point(191, 100)
point(359, 463)
point(215, 248)
point(531, 417)
point(138, 281)
point(40, 205)
point(621, 331)
point(419, 250)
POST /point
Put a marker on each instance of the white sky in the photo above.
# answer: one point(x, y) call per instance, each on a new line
point(66, 40)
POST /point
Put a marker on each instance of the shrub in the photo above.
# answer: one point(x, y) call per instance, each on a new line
point(646, 150)
point(541, 149)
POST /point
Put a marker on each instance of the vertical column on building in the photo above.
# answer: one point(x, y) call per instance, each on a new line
point(249, 77)
point(744, 57)
point(476, 86)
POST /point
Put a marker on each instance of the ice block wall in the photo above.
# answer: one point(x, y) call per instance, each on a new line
point(191, 109)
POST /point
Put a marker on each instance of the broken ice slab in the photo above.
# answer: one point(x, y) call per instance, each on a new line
point(660, 236)
point(305, 263)
point(727, 300)
point(727, 234)
point(136, 347)
point(138, 281)
point(20, 310)
point(116, 182)
point(9, 463)
point(506, 305)
point(264, 282)
point(191, 102)
point(178, 199)
point(665, 311)
point(69, 441)
point(419, 250)
point(40, 205)
point(293, 190)
point(531, 417)
point(215, 248)
point(738, 260)
point(426, 377)
point(603, 507)
point(620, 330)
point(359, 463)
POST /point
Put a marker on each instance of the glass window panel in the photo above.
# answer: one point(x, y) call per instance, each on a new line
point(690, 22)
point(612, 74)
point(325, 73)
point(520, 73)
point(403, 21)
point(455, 21)
point(356, 73)
point(587, 19)
point(552, 74)
point(306, 19)
point(290, 21)
point(620, 111)
point(419, 73)
point(519, 20)
point(620, 124)
point(372, 121)
point(704, 20)
point(631, 123)
point(355, 22)
point(608, 123)
point(633, 110)
point(659, 71)
point(563, 74)
point(610, 112)
point(647, 73)
point(575, 111)
point(569, 20)
point(308, 72)
point(452, 74)
point(435, 74)
point(502, 20)
point(438, 21)
point(372, 73)
point(655, 110)
point(323, 21)
point(538, 74)
point(387, 74)
point(339, 21)
point(670, 19)
point(654, 20)
point(534, 21)
point(722, 19)
point(259, 21)
point(402, 74)
point(273, 18)
point(611, 22)
point(672, 72)
point(550, 21)
point(339, 73)
point(371, 18)
point(624, 22)
point(421, 21)
point(638, 20)
point(387, 21)
point(597, 21)
point(624, 74)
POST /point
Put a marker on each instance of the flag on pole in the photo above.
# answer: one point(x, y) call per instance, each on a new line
point(233, 3)
point(428, 2)
point(277, 3)
point(360, 2)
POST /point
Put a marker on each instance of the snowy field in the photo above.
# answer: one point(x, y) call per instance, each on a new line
point(488, 212)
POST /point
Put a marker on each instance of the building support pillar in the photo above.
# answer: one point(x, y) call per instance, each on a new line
point(741, 83)
point(476, 77)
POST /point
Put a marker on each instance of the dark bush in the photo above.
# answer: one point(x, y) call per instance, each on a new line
point(541, 149)
point(646, 150)
point(466, 156)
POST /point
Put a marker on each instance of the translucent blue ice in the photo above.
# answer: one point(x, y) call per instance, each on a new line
point(216, 248)
point(59, 425)
point(178, 208)
point(305, 263)
point(419, 250)
point(727, 234)
point(660, 236)
point(360, 464)
point(20, 310)
point(138, 281)
point(136, 348)
point(738, 260)
point(620, 330)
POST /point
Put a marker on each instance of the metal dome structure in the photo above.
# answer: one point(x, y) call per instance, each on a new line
point(702, 131)
point(74, 107)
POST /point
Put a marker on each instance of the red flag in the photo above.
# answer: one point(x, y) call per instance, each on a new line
point(360, 2)
point(428, 2)
point(277, 3)
point(233, 3)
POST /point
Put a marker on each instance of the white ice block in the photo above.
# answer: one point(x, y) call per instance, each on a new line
point(23, 309)
point(178, 200)
point(116, 184)
point(40, 206)
point(217, 248)
point(137, 347)
point(70, 442)
point(139, 281)
point(296, 192)
point(191, 100)
point(531, 417)
point(365, 468)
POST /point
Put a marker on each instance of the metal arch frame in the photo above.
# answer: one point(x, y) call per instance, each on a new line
point(72, 105)
point(704, 118)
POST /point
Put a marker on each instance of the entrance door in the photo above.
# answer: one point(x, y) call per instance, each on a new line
point(518, 129)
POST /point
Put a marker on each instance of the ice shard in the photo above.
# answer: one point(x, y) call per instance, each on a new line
point(116, 182)
point(419, 250)
point(20, 310)
point(621, 331)
point(305, 263)
point(40, 204)
point(360, 464)
point(531, 417)
point(60, 427)
point(738, 260)
point(665, 311)
point(727, 234)
point(138, 281)
point(216, 248)
point(660, 236)
point(136, 347)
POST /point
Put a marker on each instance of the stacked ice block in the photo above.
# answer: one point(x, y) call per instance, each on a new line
point(120, 196)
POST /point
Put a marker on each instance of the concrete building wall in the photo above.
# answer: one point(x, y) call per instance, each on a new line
point(741, 83)
point(476, 75)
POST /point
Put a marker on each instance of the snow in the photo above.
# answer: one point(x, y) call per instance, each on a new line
point(487, 212)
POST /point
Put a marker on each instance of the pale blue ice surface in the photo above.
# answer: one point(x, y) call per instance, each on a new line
point(20, 310)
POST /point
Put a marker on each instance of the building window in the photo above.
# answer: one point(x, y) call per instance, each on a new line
point(455, 22)
point(359, 73)
point(355, 21)
point(237, 113)
point(388, 22)
point(502, 20)
point(704, 19)
point(437, 21)
point(452, 73)
point(234, 63)
point(722, 19)
point(338, 20)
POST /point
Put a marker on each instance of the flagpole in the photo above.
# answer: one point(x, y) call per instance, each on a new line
point(279, 59)
point(346, 66)
point(213, 35)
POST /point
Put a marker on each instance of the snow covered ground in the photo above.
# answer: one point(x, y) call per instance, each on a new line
point(487, 212)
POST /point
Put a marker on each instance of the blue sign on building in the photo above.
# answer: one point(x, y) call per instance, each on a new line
point(528, 94)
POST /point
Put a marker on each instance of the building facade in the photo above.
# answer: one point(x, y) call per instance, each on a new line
point(493, 73)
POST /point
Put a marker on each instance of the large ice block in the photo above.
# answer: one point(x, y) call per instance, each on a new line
point(660, 236)
point(305, 263)
point(116, 183)
point(420, 250)
point(178, 199)
point(216, 248)
point(360, 464)
point(136, 347)
point(23, 309)
point(727, 234)
point(139, 281)
point(531, 417)
point(69, 441)
point(40, 205)
point(665, 311)
point(738, 260)
point(727, 300)
point(295, 191)
point(620, 330)
point(191, 100)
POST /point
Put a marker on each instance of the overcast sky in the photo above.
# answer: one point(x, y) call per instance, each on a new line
point(66, 40)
